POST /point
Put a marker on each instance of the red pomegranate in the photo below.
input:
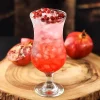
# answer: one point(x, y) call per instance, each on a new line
point(20, 54)
point(78, 44)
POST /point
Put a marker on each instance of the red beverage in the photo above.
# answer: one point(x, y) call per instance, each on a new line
point(50, 56)
point(48, 52)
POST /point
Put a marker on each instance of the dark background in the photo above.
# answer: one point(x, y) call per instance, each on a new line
point(82, 14)
point(15, 22)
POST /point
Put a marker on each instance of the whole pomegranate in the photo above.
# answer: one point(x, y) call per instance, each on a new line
point(78, 44)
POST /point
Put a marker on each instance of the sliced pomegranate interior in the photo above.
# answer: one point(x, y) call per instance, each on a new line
point(20, 54)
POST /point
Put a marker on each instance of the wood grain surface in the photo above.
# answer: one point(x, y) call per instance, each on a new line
point(80, 79)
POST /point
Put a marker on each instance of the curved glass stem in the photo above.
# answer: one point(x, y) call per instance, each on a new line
point(49, 88)
point(49, 81)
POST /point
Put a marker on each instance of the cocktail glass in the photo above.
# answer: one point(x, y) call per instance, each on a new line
point(48, 51)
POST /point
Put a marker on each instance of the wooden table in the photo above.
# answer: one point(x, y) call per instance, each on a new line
point(80, 78)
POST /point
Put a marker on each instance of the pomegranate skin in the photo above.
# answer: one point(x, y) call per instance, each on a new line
point(78, 44)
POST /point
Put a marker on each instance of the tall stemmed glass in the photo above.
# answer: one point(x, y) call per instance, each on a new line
point(48, 52)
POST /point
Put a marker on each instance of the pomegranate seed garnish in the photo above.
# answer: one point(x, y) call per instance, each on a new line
point(48, 11)
point(58, 17)
point(52, 11)
point(42, 19)
point(45, 17)
point(44, 10)
point(35, 14)
point(52, 18)
point(40, 14)
point(61, 15)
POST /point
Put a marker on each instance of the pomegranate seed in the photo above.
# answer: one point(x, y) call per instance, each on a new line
point(44, 10)
point(42, 19)
point(40, 14)
point(61, 15)
point(48, 11)
point(35, 14)
point(52, 11)
point(45, 17)
point(52, 18)
point(58, 17)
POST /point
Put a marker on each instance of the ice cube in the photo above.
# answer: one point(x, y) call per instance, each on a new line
point(59, 51)
point(54, 49)
point(45, 56)
point(39, 55)
point(52, 55)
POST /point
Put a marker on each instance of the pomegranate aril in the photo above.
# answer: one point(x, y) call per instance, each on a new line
point(35, 14)
point(40, 14)
point(52, 18)
point(61, 15)
point(56, 17)
point(45, 17)
point(38, 10)
point(48, 11)
point(44, 10)
point(57, 12)
point(52, 11)
point(42, 19)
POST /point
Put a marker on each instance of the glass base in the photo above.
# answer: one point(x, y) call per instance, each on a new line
point(49, 90)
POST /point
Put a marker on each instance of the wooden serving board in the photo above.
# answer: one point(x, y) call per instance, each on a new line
point(80, 78)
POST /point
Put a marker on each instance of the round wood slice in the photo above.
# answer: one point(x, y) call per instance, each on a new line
point(80, 78)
